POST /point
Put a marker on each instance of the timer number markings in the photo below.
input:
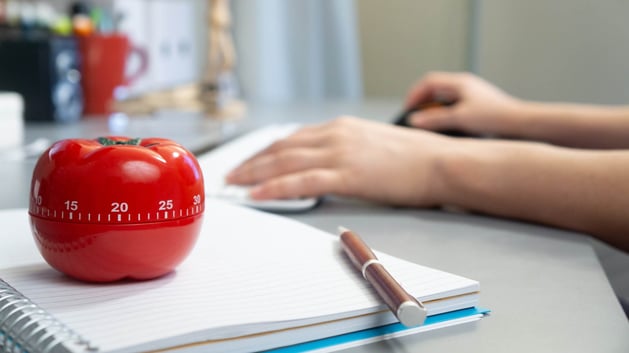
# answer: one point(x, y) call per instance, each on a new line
point(166, 209)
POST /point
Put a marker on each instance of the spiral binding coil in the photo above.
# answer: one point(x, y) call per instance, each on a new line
point(27, 328)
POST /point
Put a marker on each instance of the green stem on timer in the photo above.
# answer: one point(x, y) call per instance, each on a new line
point(109, 142)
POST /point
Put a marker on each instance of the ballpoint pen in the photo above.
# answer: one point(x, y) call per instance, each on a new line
point(404, 306)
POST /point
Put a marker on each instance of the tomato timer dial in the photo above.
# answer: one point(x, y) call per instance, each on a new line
point(114, 207)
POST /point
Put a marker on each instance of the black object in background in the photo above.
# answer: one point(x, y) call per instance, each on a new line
point(79, 8)
point(45, 71)
point(402, 118)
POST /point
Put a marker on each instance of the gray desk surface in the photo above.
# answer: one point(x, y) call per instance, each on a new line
point(545, 287)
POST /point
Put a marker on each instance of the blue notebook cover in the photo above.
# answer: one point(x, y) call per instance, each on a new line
point(375, 332)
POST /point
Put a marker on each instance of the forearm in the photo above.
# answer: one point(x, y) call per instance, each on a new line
point(572, 125)
point(581, 190)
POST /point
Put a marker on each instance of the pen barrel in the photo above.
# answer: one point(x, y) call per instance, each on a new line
point(356, 249)
point(387, 287)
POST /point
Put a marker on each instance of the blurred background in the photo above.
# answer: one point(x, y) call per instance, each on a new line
point(343, 49)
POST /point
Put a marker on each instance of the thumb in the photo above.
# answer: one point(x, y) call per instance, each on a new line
point(433, 119)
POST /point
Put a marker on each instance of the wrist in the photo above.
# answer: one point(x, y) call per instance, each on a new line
point(517, 118)
point(462, 173)
point(541, 121)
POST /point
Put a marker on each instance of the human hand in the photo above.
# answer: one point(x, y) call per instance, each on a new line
point(480, 108)
point(351, 157)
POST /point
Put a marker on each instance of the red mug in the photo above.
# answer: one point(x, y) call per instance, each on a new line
point(103, 66)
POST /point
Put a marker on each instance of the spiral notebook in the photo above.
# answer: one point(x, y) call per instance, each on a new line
point(254, 281)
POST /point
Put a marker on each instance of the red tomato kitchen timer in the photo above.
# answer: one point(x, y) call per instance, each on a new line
point(112, 208)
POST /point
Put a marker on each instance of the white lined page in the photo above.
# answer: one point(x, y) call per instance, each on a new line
point(248, 270)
